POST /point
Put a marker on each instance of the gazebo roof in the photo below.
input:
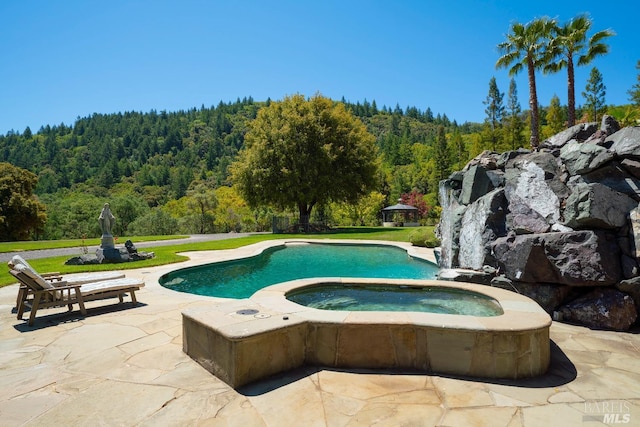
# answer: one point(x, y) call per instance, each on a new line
point(400, 207)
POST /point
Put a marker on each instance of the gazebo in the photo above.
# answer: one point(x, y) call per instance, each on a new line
point(400, 216)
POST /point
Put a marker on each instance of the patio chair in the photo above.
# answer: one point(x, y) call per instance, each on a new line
point(70, 279)
point(44, 294)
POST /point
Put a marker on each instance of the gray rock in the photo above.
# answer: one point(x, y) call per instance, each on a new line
point(631, 166)
point(448, 229)
point(614, 176)
point(557, 227)
point(579, 258)
point(634, 232)
point(631, 287)
point(523, 219)
point(605, 308)
point(579, 132)
point(609, 125)
point(487, 159)
point(629, 267)
point(496, 177)
point(582, 158)
point(597, 206)
point(625, 142)
point(548, 296)
point(508, 156)
point(482, 222)
point(463, 275)
point(529, 185)
point(476, 183)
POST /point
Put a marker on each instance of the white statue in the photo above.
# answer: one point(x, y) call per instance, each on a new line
point(106, 220)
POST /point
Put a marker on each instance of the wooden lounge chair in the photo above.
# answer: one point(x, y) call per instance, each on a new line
point(44, 294)
point(70, 279)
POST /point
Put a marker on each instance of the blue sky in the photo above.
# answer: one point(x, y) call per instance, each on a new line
point(63, 59)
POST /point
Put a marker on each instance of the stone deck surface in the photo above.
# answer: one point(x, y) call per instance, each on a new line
point(124, 366)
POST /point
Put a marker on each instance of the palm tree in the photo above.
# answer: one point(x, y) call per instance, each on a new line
point(570, 41)
point(527, 46)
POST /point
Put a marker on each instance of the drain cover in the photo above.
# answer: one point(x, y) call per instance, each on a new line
point(262, 316)
point(247, 311)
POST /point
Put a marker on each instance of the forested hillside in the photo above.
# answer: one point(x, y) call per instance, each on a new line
point(167, 172)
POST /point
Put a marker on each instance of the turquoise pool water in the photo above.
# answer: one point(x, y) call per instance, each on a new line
point(378, 297)
point(242, 278)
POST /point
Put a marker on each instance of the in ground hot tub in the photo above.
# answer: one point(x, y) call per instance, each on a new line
point(392, 297)
point(241, 341)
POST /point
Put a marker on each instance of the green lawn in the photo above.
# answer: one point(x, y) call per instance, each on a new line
point(169, 254)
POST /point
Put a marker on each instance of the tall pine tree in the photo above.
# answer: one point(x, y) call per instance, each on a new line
point(513, 118)
point(594, 94)
point(495, 113)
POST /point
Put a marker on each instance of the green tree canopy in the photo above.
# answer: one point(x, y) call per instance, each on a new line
point(22, 215)
point(302, 153)
point(555, 116)
point(634, 92)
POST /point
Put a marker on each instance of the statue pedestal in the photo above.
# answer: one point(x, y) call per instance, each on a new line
point(108, 251)
point(112, 255)
point(107, 242)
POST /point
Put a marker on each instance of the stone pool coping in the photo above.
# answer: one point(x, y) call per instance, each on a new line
point(241, 341)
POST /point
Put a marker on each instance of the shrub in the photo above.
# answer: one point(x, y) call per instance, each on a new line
point(424, 237)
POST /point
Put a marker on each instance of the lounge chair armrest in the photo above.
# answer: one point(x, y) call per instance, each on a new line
point(64, 285)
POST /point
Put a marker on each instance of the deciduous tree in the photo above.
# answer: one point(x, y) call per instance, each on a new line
point(22, 215)
point(302, 153)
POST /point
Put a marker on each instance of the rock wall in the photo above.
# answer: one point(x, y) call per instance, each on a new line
point(560, 224)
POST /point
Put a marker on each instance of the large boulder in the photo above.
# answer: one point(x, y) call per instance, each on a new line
point(631, 287)
point(476, 183)
point(523, 219)
point(605, 308)
point(533, 179)
point(634, 232)
point(597, 206)
point(625, 142)
point(614, 176)
point(448, 229)
point(578, 258)
point(582, 158)
point(579, 132)
point(483, 221)
point(548, 296)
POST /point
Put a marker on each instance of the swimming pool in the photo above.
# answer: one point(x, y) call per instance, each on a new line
point(243, 277)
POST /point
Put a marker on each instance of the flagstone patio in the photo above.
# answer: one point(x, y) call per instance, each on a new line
point(124, 366)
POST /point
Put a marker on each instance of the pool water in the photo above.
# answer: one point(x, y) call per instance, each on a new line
point(242, 278)
point(373, 297)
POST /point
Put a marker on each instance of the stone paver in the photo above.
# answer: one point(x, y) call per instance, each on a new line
point(125, 367)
